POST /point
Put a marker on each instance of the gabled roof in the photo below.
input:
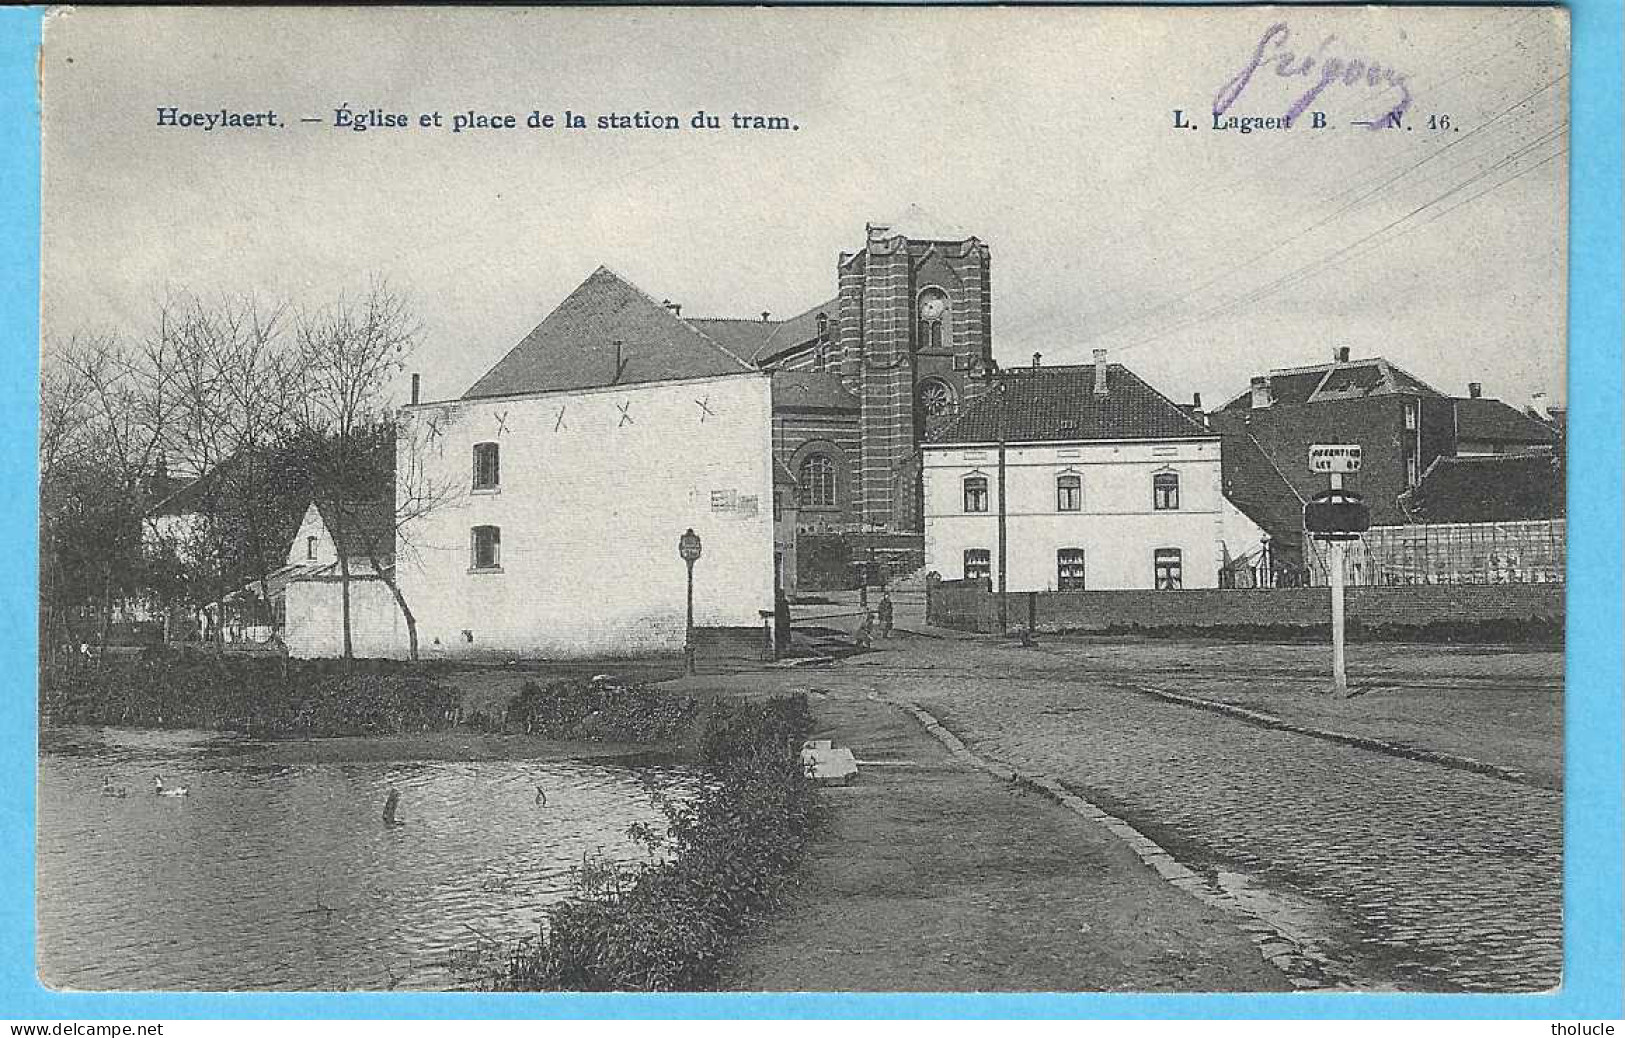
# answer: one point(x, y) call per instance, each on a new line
point(1032, 405)
point(1337, 380)
point(796, 331)
point(811, 390)
point(1488, 488)
point(574, 346)
point(1484, 420)
point(367, 526)
point(743, 336)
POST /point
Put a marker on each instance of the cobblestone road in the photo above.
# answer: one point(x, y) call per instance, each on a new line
point(1403, 873)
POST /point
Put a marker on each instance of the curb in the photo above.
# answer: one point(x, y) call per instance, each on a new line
point(1303, 969)
point(1263, 720)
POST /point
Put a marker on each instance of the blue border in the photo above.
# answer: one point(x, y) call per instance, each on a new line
point(1594, 921)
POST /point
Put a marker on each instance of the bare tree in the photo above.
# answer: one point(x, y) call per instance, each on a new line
point(349, 353)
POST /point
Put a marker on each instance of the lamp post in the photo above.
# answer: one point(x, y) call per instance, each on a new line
point(688, 547)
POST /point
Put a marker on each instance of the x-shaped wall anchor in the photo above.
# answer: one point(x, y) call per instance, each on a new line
point(502, 423)
point(558, 422)
point(626, 419)
point(705, 408)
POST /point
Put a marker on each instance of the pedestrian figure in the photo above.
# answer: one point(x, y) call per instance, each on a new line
point(885, 614)
point(866, 630)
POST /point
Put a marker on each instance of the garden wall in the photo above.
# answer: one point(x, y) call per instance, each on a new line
point(972, 606)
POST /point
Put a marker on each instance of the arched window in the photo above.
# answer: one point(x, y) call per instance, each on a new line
point(1165, 491)
point(818, 481)
point(936, 397)
point(1068, 493)
point(975, 493)
point(933, 311)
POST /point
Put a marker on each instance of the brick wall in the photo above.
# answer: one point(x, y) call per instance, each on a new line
point(972, 606)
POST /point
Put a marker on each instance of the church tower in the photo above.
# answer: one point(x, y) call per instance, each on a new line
point(915, 346)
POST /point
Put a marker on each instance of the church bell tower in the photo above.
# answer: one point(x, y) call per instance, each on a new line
point(915, 343)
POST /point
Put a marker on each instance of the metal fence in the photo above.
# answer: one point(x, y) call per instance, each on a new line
point(1528, 552)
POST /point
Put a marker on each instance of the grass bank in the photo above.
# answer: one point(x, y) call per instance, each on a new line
point(269, 698)
point(670, 923)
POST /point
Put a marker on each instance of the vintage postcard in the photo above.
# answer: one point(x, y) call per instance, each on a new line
point(1051, 499)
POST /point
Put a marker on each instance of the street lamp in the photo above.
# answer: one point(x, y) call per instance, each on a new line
point(688, 547)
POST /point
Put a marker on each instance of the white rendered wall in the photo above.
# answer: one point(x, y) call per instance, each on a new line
point(1117, 527)
point(596, 487)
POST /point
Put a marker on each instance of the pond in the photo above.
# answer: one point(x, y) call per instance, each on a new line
point(285, 877)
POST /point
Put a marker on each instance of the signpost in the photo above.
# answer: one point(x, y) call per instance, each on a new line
point(689, 549)
point(1335, 516)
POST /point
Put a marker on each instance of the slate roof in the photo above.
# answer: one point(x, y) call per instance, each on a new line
point(365, 524)
point(1484, 420)
point(742, 336)
point(573, 347)
point(1487, 489)
point(1340, 380)
point(797, 330)
point(1058, 403)
point(811, 390)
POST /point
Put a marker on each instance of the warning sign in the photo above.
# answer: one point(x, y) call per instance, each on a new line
point(1334, 457)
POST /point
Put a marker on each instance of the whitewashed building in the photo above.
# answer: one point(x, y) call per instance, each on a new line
point(1108, 485)
point(574, 466)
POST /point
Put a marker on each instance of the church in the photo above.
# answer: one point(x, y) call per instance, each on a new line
point(860, 379)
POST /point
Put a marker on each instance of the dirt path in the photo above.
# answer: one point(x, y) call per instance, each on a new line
point(936, 877)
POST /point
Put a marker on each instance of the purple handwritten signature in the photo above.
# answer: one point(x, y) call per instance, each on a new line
point(1346, 71)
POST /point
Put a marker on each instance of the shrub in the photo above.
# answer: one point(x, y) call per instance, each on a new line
point(667, 925)
point(269, 697)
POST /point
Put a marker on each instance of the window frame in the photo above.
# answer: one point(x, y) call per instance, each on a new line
point(310, 548)
point(494, 543)
point(983, 560)
point(492, 450)
point(811, 487)
point(983, 498)
point(1073, 482)
point(1173, 561)
point(1165, 491)
point(1067, 559)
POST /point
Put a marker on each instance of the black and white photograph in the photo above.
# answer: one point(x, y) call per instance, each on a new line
point(803, 499)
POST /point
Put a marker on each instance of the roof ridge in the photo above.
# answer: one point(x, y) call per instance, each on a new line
point(730, 354)
point(1165, 399)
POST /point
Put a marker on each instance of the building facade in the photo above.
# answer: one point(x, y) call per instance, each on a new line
point(1106, 485)
point(573, 467)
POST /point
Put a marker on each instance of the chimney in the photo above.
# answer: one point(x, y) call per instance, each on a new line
point(415, 386)
point(1475, 390)
point(1101, 389)
point(1196, 402)
point(1261, 391)
point(675, 308)
point(764, 315)
point(1341, 356)
point(1038, 359)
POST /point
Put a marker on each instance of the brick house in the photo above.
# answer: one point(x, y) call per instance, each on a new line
point(1107, 484)
point(1402, 424)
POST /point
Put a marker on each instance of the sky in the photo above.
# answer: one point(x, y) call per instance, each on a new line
point(1198, 257)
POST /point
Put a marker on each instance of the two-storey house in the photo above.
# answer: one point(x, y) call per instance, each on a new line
point(1097, 480)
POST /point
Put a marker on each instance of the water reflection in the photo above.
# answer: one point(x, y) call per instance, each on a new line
point(284, 876)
